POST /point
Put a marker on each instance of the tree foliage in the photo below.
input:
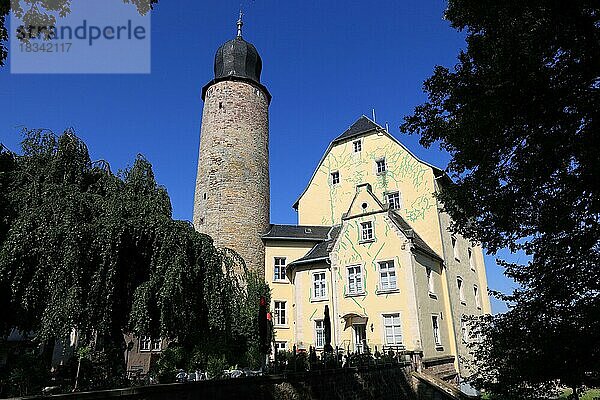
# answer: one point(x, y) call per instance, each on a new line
point(519, 116)
point(82, 248)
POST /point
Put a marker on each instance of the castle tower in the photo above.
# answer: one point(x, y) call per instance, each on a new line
point(232, 186)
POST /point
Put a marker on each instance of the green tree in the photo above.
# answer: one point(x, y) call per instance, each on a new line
point(519, 115)
point(88, 250)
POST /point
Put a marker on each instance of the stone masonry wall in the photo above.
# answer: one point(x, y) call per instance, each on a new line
point(232, 186)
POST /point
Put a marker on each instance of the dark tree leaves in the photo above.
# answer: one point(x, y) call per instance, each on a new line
point(519, 115)
point(83, 249)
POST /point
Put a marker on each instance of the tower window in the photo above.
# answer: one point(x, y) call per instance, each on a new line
point(476, 295)
point(471, 260)
point(436, 330)
point(381, 166)
point(204, 196)
point(455, 248)
point(335, 178)
point(430, 281)
point(220, 104)
point(357, 145)
point(461, 290)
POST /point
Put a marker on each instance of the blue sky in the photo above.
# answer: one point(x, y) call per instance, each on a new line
point(325, 62)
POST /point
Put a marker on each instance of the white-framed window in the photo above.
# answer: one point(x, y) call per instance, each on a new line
point(461, 290)
point(156, 344)
point(436, 330)
point(381, 167)
point(387, 275)
point(280, 346)
point(455, 249)
point(392, 329)
point(393, 199)
point(357, 146)
point(471, 260)
point(319, 286)
point(355, 281)
point(430, 281)
point(319, 333)
point(366, 229)
point(476, 295)
point(280, 313)
point(279, 269)
point(145, 343)
point(335, 177)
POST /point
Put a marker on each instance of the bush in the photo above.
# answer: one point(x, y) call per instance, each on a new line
point(215, 366)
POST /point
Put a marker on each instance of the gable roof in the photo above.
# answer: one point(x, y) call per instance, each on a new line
point(362, 126)
point(359, 191)
point(410, 233)
point(297, 232)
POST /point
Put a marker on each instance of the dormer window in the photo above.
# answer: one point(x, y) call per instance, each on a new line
point(381, 168)
point(335, 178)
point(357, 145)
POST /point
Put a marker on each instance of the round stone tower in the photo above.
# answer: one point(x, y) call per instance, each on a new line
point(232, 186)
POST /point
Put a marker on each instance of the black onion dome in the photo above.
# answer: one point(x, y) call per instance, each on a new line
point(238, 59)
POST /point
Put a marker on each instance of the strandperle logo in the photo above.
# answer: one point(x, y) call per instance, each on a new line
point(108, 36)
point(85, 31)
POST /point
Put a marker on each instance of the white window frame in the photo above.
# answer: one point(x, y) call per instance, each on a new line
point(476, 296)
point(145, 343)
point(367, 231)
point(319, 333)
point(335, 178)
point(460, 285)
point(471, 260)
point(380, 166)
point(435, 327)
point(387, 274)
point(455, 248)
point(393, 205)
point(319, 294)
point(156, 345)
point(464, 330)
point(353, 281)
point(430, 281)
point(280, 345)
point(396, 334)
point(277, 276)
point(280, 318)
point(357, 146)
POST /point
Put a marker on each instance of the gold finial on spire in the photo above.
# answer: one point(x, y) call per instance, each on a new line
point(240, 23)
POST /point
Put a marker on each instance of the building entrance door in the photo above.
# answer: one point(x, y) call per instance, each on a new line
point(360, 337)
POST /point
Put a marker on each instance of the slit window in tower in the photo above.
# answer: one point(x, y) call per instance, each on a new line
point(436, 330)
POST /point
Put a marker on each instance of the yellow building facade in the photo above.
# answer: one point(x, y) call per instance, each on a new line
point(373, 245)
